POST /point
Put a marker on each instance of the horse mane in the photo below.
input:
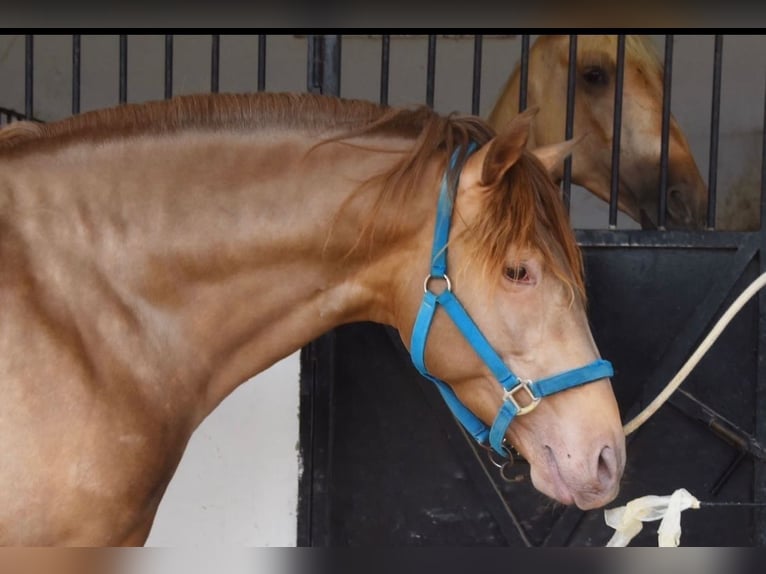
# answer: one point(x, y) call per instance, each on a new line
point(523, 210)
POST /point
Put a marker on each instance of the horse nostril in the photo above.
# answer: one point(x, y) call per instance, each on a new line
point(678, 206)
point(607, 467)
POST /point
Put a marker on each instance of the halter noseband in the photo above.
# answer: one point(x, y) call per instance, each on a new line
point(513, 386)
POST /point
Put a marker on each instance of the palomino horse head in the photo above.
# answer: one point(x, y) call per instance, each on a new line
point(594, 118)
point(514, 265)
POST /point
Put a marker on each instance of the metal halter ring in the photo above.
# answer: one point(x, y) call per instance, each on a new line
point(444, 277)
point(503, 465)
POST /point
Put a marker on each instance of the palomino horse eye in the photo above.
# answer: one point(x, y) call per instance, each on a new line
point(596, 76)
point(517, 274)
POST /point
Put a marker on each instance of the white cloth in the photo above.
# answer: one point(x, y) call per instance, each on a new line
point(627, 520)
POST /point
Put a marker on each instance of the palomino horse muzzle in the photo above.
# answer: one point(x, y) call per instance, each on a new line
point(514, 388)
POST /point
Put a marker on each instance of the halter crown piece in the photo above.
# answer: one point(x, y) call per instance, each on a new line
point(512, 385)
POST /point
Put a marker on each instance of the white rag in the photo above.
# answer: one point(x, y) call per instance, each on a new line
point(627, 520)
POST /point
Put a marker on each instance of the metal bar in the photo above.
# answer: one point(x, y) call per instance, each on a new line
point(261, 62)
point(385, 67)
point(478, 40)
point(524, 73)
point(431, 70)
point(714, 119)
point(759, 416)
point(331, 52)
point(569, 128)
point(681, 239)
point(617, 131)
point(215, 62)
point(168, 66)
point(665, 138)
point(123, 68)
point(29, 84)
point(76, 67)
point(718, 424)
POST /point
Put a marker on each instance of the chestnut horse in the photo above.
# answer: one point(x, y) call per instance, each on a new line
point(594, 117)
point(155, 256)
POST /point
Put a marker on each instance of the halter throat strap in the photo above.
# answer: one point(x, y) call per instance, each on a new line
point(513, 387)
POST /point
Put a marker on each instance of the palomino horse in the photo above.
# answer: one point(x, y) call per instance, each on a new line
point(156, 256)
point(594, 116)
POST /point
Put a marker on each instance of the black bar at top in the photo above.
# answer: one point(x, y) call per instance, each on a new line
point(261, 62)
point(215, 61)
point(123, 68)
point(476, 92)
point(29, 59)
point(76, 66)
point(431, 71)
point(667, 82)
point(714, 119)
point(617, 132)
point(168, 66)
point(524, 72)
point(385, 65)
point(569, 127)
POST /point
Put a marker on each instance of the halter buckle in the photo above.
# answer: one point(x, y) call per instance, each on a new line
point(523, 385)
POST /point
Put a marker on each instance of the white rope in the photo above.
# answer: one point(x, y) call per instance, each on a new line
point(703, 348)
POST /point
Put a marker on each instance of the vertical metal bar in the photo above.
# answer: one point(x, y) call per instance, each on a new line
point(331, 51)
point(569, 127)
point(76, 67)
point(168, 66)
point(431, 70)
point(29, 67)
point(385, 67)
point(714, 119)
point(524, 72)
point(617, 131)
point(215, 61)
point(476, 92)
point(667, 82)
point(123, 68)
point(759, 473)
point(261, 62)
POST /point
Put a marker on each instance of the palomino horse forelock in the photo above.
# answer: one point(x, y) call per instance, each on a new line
point(155, 256)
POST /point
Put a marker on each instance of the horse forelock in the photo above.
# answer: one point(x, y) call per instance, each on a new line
point(524, 211)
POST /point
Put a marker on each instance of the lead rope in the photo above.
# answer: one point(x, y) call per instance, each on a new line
point(703, 348)
point(626, 520)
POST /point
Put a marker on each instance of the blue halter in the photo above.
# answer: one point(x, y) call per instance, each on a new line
point(511, 384)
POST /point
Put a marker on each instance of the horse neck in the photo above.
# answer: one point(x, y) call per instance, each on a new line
point(210, 251)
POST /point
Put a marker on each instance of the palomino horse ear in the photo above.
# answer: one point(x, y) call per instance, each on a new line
point(506, 147)
point(552, 156)
point(499, 154)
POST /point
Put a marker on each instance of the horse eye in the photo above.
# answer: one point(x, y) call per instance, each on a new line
point(517, 274)
point(596, 75)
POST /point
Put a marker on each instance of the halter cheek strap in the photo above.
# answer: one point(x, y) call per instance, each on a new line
point(512, 385)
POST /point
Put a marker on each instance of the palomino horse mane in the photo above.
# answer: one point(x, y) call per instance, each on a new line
point(529, 215)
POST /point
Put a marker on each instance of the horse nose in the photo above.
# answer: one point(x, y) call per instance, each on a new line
point(607, 469)
point(686, 209)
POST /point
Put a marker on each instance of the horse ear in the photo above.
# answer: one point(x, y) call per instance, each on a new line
point(497, 156)
point(506, 147)
point(552, 156)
